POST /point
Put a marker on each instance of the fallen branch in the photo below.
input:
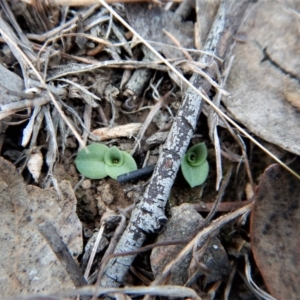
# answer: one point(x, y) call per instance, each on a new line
point(148, 215)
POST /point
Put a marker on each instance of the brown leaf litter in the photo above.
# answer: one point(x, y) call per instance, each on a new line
point(69, 74)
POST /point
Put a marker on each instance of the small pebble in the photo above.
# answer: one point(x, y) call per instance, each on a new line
point(86, 184)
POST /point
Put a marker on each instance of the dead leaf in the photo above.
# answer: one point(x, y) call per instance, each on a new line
point(149, 22)
point(28, 264)
point(275, 227)
point(127, 130)
point(262, 68)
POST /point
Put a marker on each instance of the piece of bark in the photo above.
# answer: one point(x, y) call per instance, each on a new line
point(148, 215)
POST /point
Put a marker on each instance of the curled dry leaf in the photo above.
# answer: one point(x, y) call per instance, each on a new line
point(34, 164)
point(127, 130)
point(275, 227)
point(28, 265)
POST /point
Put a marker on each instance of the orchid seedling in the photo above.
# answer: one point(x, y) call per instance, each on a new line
point(194, 165)
point(118, 162)
point(97, 161)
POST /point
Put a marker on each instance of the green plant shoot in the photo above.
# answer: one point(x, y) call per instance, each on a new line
point(118, 162)
point(97, 161)
point(90, 161)
point(194, 165)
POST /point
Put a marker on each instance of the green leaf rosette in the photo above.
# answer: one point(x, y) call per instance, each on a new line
point(194, 165)
point(118, 162)
point(90, 161)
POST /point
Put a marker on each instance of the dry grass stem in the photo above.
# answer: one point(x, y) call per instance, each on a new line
point(212, 291)
point(213, 120)
point(90, 2)
point(224, 185)
point(176, 42)
point(11, 108)
point(222, 207)
point(163, 291)
point(117, 234)
point(87, 119)
point(209, 79)
point(27, 132)
point(75, 114)
point(75, 69)
point(251, 284)
point(163, 101)
point(85, 13)
point(230, 280)
point(84, 90)
point(92, 257)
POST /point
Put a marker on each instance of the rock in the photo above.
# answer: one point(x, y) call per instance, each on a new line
point(184, 223)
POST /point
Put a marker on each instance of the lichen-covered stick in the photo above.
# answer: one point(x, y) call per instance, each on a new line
point(148, 215)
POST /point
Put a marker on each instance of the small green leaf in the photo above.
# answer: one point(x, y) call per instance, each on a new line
point(128, 165)
point(197, 154)
point(90, 161)
point(194, 165)
point(114, 157)
point(194, 175)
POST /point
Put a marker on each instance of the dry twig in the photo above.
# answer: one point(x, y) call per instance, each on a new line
point(61, 251)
